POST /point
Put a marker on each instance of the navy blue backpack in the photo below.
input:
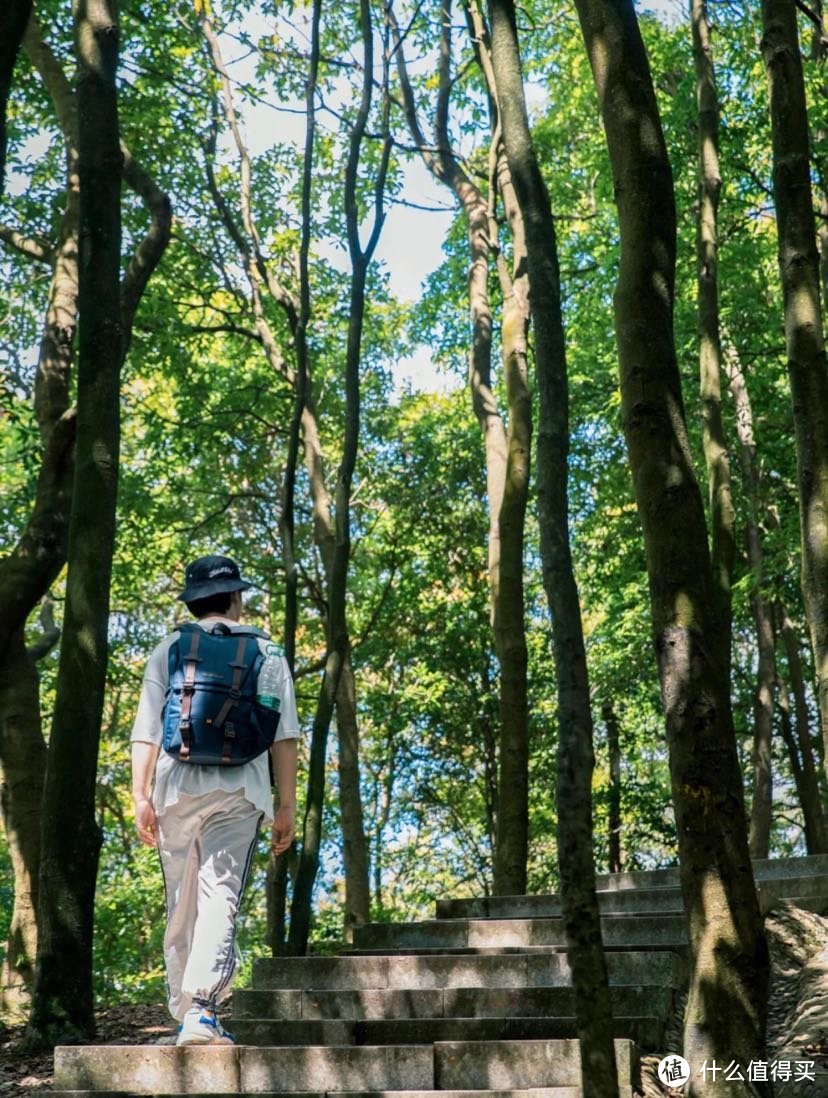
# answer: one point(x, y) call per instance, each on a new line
point(211, 715)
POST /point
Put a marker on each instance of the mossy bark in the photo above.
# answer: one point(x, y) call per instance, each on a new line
point(575, 756)
point(729, 973)
point(799, 270)
point(22, 770)
point(62, 1002)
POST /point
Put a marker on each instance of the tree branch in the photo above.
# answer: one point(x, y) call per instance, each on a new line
point(36, 248)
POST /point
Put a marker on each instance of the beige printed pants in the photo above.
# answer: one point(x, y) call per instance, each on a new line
point(206, 845)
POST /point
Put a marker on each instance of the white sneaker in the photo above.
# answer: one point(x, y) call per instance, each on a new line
point(201, 1027)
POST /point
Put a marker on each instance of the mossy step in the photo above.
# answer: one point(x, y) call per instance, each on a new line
point(618, 931)
point(413, 972)
point(463, 1002)
point(646, 1031)
point(242, 1069)
point(803, 891)
point(624, 1091)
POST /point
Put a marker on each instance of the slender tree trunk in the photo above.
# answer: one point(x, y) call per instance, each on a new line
point(277, 879)
point(338, 643)
point(575, 757)
point(727, 1003)
point(354, 845)
point(22, 770)
point(761, 811)
point(813, 811)
point(14, 16)
point(509, 605)
point(614, 747)
point(304, 426)
point(27, 572)
point(710, 352)
point(799, 268)
point(62, 1004)
point(382, 814)
point(822, 239)
point(507, 455)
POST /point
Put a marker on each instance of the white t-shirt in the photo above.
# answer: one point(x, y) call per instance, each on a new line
point(173, 778)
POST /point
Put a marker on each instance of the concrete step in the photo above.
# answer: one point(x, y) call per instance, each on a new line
point(661, 900)
point(224, 1069)
point(766, 869)
point(619, 931)
point(811, 895)
point(646, 1032)
point(624, 1091)
point(465, 1002)
point(628, 901)
point(150, 1069)
point(474, 1065)
point(449, 970)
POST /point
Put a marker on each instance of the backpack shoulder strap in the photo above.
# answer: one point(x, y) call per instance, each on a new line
point(191, 662)
point(240, 669)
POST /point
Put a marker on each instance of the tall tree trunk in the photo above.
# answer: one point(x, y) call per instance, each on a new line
point(354, 844)
point(816, 825)
point(507, 455)
point(14, 16)
point(728, 984)
point(382, 814)
point(277, 878)
point(761, 810)
point(614, 747)
point(807, 365)
point(509, 605)
point(62, 1003)
point(710, 351)
point(304, 425)
point(575, 757)
point(28, 571)
point(338, 643)
point(22, 770)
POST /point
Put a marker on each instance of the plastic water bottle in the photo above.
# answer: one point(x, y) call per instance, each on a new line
point(267, 687)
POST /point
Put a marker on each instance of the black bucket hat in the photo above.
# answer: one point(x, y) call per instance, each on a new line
point(211, 575)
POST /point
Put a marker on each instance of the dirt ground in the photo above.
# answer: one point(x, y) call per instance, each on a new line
point(797, 1022)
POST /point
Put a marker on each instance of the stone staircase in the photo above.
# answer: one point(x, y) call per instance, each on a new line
point(476, 1003)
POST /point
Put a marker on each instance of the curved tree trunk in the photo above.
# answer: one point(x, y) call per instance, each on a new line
point(62, 1004)
point(761, 810)
point(28, 571)
point(575, 758)
point(14, 16)
point(507, 454)
point(509, 604)
point(816, 825)
point(614, 747)
point(22, 770)
point(338, 642)
point(354, 843)
point(727, 1003)
point(710, 351)
point(807, 363)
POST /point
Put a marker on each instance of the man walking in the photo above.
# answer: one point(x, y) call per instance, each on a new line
point(204, 817)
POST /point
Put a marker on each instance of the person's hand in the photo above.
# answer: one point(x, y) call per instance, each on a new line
point(145, 822)
point(283, 829)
